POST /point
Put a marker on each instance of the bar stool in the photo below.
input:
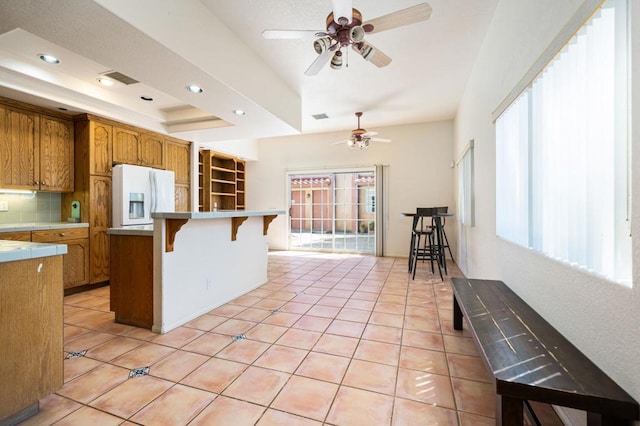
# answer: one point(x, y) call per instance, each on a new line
point(442, 240)
point(423, 245)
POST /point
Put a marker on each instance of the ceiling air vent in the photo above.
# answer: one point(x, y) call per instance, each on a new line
point(320, 116)
point(118, 76)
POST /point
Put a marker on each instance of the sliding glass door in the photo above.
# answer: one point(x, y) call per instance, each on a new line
point(333, 211)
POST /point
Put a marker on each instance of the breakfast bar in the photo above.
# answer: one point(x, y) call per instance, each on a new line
point(200, 261)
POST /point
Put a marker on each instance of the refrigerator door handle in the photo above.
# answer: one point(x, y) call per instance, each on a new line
point(154, 189)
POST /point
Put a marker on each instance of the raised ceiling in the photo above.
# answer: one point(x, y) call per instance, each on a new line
point(167, 45)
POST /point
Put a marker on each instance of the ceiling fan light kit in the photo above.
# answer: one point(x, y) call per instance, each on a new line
point(345, 27)
point(360, 137)
point(336, 61)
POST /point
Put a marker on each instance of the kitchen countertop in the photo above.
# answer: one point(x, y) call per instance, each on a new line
point(39, 226)
point(139, 230)
point(220, 214)
point(20, 250)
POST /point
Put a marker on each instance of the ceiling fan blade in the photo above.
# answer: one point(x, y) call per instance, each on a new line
point(320, 62)
point(370, 134)
point(382, 140)
point(407, 16)
point(342, 9)
point(372, 54)
point(287, 34)
point(340, 142)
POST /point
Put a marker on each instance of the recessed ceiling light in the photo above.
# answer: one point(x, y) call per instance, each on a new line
point(105, 81)
point(49, 59)
point(146, 98)
point(194, 89)
point(239, 112)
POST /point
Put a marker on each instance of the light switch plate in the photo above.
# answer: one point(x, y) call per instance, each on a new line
point(4, 206)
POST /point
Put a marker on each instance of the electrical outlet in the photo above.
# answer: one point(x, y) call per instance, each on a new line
point(4, 206)
point(209, 284)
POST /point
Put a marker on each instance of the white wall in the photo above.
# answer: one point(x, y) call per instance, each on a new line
point(419, 173)
point(599, 317)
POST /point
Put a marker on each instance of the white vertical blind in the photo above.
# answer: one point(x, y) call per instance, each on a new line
point(512, 169)
point(558, 154)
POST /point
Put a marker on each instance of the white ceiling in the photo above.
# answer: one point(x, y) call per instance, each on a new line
point(217, 44)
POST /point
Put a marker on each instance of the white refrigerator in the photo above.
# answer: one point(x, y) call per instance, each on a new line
point(138, 192)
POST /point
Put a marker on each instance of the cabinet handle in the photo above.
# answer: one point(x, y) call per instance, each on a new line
point(61, 234)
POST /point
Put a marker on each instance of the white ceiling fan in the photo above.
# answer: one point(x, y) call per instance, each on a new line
point(361, 137)
point(345, 28)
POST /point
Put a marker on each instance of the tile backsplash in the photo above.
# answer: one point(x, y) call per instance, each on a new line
point(28, 208)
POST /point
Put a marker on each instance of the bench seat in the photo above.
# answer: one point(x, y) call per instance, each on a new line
point(531, 360)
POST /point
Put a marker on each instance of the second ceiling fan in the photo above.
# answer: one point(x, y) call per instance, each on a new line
point(360, 137)
point(345, 27)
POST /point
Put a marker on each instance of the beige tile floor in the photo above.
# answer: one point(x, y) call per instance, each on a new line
point(330, 339)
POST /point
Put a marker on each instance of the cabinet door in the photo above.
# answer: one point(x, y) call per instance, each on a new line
point(56, 154)
point(178, 159)
point(19, 136)
point(183, 198)
point(152, 151)
point(100, 202)
point(99, 256)
point(100, 149)
point(125, 146)
point(75, 264)
point(99, 221)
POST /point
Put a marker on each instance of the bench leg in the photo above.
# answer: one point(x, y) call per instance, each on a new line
point(597, 419)
point(509, 411)
point(457, 315)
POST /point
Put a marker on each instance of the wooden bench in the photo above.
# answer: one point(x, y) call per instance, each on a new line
point(532, 361)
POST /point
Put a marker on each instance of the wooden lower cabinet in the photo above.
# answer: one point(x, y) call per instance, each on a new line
point(16, 236)
point(99, 256)
point(132, 279)
point(30, 332)
point(76, 262)
point(99, 222)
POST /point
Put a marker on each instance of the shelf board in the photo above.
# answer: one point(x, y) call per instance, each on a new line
point(222, 169)
point(225, 194)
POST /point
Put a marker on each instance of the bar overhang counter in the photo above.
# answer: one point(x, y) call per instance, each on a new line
point(202, 260)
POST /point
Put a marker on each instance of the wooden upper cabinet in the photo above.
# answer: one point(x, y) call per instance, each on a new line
point(56, 154)
point(183, 198)
point(36, 151)
point(178, 159)
point(126, 146)
point(101, 149)
point(151, 151)
point(19, 153)
point(139, 149)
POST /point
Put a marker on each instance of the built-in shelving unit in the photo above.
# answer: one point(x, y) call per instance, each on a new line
point(240, 194)
point(222, 182)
